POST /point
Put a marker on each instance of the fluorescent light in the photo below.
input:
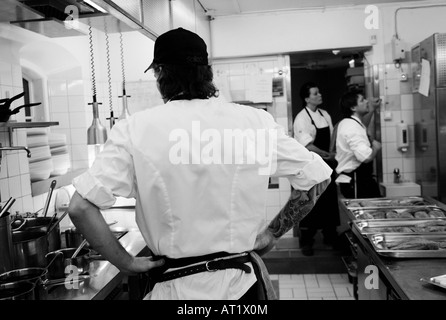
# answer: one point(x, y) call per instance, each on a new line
point(94, 5)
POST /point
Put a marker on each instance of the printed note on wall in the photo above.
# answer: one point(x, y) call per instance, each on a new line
point(425, 77)
point(259, 88)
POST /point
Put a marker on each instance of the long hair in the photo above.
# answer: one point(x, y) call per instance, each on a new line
point(186, 82)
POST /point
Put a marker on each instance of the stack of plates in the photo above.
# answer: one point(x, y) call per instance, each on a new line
point(59, 154)
point(40, 163)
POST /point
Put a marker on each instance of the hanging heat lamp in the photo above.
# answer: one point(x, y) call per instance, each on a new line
point(110, 96)
point(125, 110)
point(96, 133)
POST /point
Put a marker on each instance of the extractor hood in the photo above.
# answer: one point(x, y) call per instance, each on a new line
point(57, 17)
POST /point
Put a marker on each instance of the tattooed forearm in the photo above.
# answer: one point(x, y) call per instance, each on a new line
point(297, 207)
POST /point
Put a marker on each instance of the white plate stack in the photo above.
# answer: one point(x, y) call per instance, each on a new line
point(40, 163)
point(59, 153)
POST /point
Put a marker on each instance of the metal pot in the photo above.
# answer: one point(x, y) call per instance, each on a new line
point(42, 224)
point(73, 238)
point(58, 269)
point(6, 260)
point(38, 276)
point(29, 249)
point(21, 290)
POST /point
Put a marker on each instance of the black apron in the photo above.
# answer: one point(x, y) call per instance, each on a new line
point(362, 179)
point(326, 212)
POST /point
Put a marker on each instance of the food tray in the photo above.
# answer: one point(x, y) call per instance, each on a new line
point(401, 213)
point(439, 281)
point(384, 242)
point(410, 226)
point(387, 202)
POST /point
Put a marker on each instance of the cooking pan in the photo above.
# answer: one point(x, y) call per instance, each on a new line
point(63, 258)
point(37, 276)
point(31, 246)
point(17, 291)
point(43, 224)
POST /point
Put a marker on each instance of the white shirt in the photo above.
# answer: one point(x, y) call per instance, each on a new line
point(185, 210)
point(304, 130)
point(352, 145)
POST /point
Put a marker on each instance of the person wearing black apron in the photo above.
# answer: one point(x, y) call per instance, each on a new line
point(325, 214)
point(357, 163)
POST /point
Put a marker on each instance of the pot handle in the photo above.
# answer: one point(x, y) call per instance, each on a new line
point(22, 224)
point(56, 254)
point(56, 282)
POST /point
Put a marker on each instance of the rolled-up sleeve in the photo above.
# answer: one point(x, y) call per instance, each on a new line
point(360, 146)
point(303, 168)
point(303, 131)
point(112, 173)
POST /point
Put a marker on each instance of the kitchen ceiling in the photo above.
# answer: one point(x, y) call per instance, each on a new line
point(216, 8)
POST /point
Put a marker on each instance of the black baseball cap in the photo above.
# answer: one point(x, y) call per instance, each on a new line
point(179, 47)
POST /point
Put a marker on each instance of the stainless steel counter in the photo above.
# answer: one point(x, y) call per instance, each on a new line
point(104, 277)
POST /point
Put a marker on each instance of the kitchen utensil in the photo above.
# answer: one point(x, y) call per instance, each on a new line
point(50, 192)
point(29, 248)
point(37, 276)
point(27, 274)
point(6, 260)
point(18, 223)
point(17, 291)
point(44, 224)
point(6, 207)
point(5, 104)
point(53, 218)
point(59, 268)
point(57, 222)
point(79, 249)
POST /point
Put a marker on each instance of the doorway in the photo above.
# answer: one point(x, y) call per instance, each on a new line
point(328, 69)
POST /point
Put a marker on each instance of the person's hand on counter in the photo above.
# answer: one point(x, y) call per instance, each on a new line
point(143, 264)
point(91, 223)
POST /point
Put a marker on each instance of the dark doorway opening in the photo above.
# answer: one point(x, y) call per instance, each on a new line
point(328, 70)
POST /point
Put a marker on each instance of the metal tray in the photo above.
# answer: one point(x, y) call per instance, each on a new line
point(389, 213)
point(439, 281)
point(383, 242)
point(409, 226)
point(386, 202)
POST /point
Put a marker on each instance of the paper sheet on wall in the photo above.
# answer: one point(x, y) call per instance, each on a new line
point(143, 95)
point(425, 77)
point(222, 83)
point(259, 88)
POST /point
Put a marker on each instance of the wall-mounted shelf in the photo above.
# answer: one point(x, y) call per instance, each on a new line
point(11, 125)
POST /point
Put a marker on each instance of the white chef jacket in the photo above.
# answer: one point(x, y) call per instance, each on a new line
point(185, 210)
point(352, 146)
point(304, 130)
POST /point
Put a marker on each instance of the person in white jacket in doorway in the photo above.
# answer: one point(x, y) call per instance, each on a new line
point(198, 167)
point(355, 150)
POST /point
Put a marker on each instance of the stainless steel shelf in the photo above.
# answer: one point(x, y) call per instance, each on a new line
point(17, 125)
point(10, 125)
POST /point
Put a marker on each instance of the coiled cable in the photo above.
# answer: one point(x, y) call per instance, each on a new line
point(93, 75)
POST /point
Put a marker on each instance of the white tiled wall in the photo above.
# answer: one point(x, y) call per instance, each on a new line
point(14, 170)
point(65, 98)
point(398, 102)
